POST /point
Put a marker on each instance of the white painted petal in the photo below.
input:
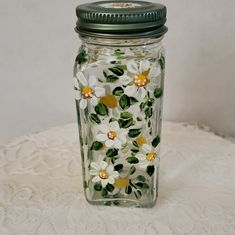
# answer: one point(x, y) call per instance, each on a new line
point(144, 65)
point(114, 126)
point(99, 91)
point(146, 148)
point(83, 104)
point(93, 172)
point(103, 165)
point(75, 82)
point(92, 81)
point(130, 90)
point(104, 182)
point(96, 179)
point(109, 169)
point(94, 100)
point(144, 164)
point(104, 128)
point(82, 79)
point(95, 166)
point(111, 180)
point(124, 79)
point(141, 156)
point(114, 174)
point(117, 143)
point(122, 138)
point(102, 137)
point(151, 87)
point(109, 143)
point(78, 94)
point(142, 92)
point(132, 67)
point(154, 72)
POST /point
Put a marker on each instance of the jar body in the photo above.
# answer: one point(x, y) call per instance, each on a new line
point(118, 89)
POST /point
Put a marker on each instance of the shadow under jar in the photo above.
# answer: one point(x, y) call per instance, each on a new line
point(118, 81)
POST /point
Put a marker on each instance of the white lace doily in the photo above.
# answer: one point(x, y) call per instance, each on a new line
point(41, 188)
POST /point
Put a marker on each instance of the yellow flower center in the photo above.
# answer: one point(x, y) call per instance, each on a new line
point(87, 92)
point(150, 156)
point(112, 135)
point(104, 174)
point(121, 182)
point(109, 100)
point(140, 140)
point(141, 79)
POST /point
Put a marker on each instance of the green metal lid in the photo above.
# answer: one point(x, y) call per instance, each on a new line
point(121, 19)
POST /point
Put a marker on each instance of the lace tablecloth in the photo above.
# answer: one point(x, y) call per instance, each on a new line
point(41, 187)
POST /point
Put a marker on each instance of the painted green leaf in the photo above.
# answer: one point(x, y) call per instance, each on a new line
point(132, 160)
point(141, 178)
point(134, 133)
point(138, 194)
point(124, 102)
point(101, 109)
point(122, 66)
point(158, 92)
point(105, 74)
point(156, 141)
point(104, 192)
point(132, 170)
point(142, 106)
point(94, 118)
point(135, 144)
point(110, 188)
point(150, 102)
point(96, 145)
point(150, 170)
point(135, 150)
point(148, 112)
point(81, 57)
point(118, 167)
point(98, 187)
point(133, 100)
point(117, 70)
point(128, 189)
point(142, 185)
point(125, 123)
point(85, 184)
point(112, 153)
point(112, 119)
point(126, 115)
point(118, 52)
point(162, 62)
point(111, 78)
point(118, 91)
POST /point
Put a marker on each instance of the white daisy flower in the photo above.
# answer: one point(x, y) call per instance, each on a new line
point(112, 135)
point(143, 79)
point(147, 155)
point(103, 173)
point(87, 90)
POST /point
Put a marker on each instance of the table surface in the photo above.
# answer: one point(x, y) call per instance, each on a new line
point(41, 187)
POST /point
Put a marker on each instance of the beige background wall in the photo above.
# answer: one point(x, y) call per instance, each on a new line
point(38, 45)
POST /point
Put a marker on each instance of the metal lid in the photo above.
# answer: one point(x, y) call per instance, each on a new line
point(121, 19)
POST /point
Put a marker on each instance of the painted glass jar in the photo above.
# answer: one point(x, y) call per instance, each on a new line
point(118, 81)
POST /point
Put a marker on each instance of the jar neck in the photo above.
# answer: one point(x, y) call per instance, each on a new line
point(119, 42)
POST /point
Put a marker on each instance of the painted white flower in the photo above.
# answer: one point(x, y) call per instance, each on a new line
point(112, 135)
point(87, 90)
point(143, 79)
point(147, 155)
point(103, 173)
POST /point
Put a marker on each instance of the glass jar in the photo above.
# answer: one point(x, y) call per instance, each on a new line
point(118, 80)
